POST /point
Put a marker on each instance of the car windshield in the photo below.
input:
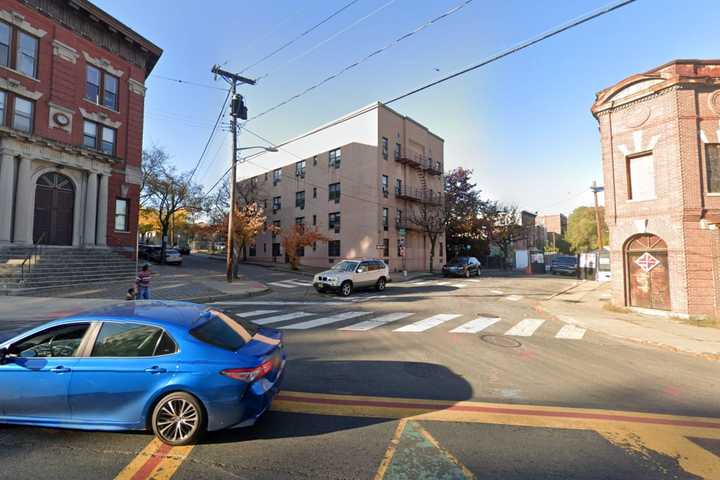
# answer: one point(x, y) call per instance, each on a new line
point(345, 266)
point(459, 261)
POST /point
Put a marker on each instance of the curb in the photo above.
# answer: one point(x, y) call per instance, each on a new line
point(227, 296)
point(662, 346)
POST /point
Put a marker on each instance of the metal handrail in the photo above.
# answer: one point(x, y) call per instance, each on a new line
point(31, 258)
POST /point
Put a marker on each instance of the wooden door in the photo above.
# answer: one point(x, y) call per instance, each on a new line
point(54, 204)
point(646, 260)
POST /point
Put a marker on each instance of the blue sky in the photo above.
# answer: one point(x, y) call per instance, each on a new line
point(522, 124)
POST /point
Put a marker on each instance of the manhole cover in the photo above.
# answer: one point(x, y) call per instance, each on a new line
point(500, 341)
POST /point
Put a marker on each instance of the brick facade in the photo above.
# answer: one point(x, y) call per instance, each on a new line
point(72, 36)
point(671, 113)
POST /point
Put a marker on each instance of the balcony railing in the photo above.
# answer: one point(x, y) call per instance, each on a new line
point(419, 195)
point(417, 160)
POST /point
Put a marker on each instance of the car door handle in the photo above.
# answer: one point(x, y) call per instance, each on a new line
point(155, 369)
point(59, 369)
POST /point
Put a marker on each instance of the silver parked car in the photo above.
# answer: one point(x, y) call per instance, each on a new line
point(348, 275)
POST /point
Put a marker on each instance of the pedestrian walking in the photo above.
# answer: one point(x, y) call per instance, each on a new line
point(142, 283)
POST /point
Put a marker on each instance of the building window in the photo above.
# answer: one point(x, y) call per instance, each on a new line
point(442, 250)
point(122, 216)
point(314, 192)
point(22, 118)
point(712, 158)
point(641, 170)
point(398, 148)
point(276, 228)
point(314, 160)
point(300, 199)
point(384, 184)
point(334, 248)
point(334, 221)
point(385, 215)
point(314, 220)
point(398, 186)
point(300, 169)
point(101, 87)
point(253, 250)
point(99, 137)
point(264, 203)
point(385, 148)
point(24, 57)
point(334, 157)
point(277, 176)
point(264, 247)
point(276, 204)
point(399, 217)
point(314, 246)
point(275, 249)
point(386, 247)
point(334, 192)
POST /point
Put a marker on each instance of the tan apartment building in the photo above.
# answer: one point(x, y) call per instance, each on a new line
point(553, 223)
point(358, 180)
point(660, 134)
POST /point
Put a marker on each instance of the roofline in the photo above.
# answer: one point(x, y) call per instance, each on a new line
point(684, 61)
point(116, 24)
point(412, 120)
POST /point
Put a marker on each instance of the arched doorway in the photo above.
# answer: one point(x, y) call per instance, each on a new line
point(54, 201)
point(646, 261)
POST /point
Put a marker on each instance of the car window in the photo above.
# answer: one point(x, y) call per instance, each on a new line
point(166, 345)
point(61, 341)
point(216, 331)
point(126, 340)
point(366, 266)
point(345, 266)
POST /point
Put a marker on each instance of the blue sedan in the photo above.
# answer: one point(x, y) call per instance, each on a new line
point(177, 368)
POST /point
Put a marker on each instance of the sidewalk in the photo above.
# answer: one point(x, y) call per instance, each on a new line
point(583, 305)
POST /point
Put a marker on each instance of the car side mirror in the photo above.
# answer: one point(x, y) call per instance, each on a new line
point(360, 270)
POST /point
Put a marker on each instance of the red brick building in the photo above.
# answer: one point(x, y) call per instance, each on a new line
point(660, 134)
point(71, 120)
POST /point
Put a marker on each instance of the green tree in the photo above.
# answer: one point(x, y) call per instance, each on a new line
point(582, 229)
point(462, 209)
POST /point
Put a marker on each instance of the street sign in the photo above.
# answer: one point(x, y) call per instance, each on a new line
point(647, 262)
point(402, 232)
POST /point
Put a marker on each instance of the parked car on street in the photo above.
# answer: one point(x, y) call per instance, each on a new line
point(183, 249)
point(348, 275)
point(177, 368)
point(462, 266)
point(172, 256)
point(564, 265)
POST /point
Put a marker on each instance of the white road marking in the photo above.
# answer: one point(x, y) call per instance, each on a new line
point(474, 280)
point(274, 303)
point(282, 318)
point(300, 283)
point(281, 284)
point(459, 285)
point(514, 298)
point(376, 322)
point(496, 292)
point(525, 328)
point(254, 313)
point(165, 287)
point(571, 332)
point(420, 284)
point(427, 323)
point(477, 325)
point(442, 283)
point(324, 321)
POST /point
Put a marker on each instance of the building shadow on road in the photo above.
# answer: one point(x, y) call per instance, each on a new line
point(416, 380)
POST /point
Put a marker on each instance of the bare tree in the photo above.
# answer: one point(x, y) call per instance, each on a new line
point(501, 226)
point(432, 220)
point(167, 192)
point(153, 161)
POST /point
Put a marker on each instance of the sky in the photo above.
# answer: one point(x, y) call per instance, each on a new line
point(522, 124)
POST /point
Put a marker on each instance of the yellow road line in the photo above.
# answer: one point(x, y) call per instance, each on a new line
point(380, 474)
point(157, 461)
point(468, 474)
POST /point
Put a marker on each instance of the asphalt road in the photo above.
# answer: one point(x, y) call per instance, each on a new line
point(429, 379)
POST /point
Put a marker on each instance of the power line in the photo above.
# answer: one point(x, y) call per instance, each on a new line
point(298, 37)
point(328, 39)
point(187, 82)
point(212, 135)
point(365, 58)
point(521, 46)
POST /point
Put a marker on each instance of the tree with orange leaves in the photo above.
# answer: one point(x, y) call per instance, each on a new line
point(296, 238)
point(249, 222)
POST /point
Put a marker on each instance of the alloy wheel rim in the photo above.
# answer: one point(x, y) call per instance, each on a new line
point(381, 285)
point(346, 289)
point(177, 420)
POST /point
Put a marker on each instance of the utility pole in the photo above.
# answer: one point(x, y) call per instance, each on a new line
point(595, 189)
point(237, 109)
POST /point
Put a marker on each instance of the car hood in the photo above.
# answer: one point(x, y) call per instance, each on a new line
point(331, 273)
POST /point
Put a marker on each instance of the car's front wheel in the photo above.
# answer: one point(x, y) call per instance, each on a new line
point(346, 288)
point(178, 419)
point(381, 284)
point(320, 289)
point(467, 273)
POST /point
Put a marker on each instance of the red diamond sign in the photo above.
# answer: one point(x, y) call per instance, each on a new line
point(647, 262)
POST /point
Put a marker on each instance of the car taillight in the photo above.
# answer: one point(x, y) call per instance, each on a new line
point(249, 374)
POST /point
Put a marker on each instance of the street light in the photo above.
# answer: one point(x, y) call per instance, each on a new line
point(229, 245)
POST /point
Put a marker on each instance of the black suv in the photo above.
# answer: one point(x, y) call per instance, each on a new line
point(462, 266)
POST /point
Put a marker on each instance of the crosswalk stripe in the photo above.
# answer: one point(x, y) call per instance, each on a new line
point(442, 283)
point(376, 322)
point(427, 323)
point(477, 325)
point(281, 284)
point(324, 321)
point(525, 328)
point(474, 280)
point(300, 283)
point(571, 332)
point(496, 292)
point(282, 318)
point(459, 285)
point(513, 298)
point(254, 313)
point(420, 284)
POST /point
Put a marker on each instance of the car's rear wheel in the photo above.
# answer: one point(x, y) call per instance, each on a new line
point(467, 273)
point(178, 419)
point(381, 284)
point(346, 288)
point(320, 289)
